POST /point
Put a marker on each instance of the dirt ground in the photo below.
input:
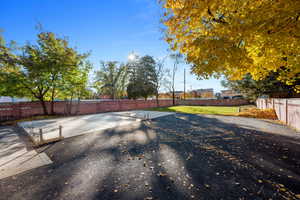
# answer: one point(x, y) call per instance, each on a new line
point(174, 157)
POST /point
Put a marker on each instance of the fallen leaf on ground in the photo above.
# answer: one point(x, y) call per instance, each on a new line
point(161, 174)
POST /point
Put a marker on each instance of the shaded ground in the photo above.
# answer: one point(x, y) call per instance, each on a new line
point(175, 157)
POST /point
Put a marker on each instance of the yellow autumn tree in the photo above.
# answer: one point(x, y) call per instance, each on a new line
point(236, 37)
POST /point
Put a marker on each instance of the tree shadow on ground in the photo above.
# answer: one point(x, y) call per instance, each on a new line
point(258, 156)
point(174, 157)
point(12, 141)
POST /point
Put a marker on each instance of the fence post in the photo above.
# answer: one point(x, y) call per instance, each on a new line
point(273, 103)
point(41, 135)
point(60, 131)
point(266, 103)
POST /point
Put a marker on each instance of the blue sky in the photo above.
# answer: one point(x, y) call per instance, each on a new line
point(109, 29)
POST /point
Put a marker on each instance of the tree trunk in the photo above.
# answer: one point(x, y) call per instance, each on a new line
point(52, 107)
point(78, 102)
point(44, 106)
point(157, 101)
point(173, 96)
point(71, 104)
point(52, 103)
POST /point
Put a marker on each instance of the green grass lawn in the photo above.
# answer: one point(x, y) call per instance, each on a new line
point(215, 110)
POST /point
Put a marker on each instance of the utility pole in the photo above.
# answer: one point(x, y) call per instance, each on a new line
point(184, 85)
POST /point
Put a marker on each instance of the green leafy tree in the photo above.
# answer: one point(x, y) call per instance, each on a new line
point(7, 66)
point(76, 86)
point(253, 89)
point(133, 89)
point(160, 73)
point(76, 83)
point(143, 78)
point(43, 71)
point(111, 79)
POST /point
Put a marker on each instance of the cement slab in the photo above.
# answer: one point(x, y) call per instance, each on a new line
point(142, 114)
point(15, 158)
point(79, 125)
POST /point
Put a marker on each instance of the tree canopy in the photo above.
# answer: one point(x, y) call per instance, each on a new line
point(44, 71)
point(236, 37)
point(111, 79)
point(143, 78)
point(253, 89)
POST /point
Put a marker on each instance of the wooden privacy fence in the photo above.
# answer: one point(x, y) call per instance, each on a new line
point(12, 111)
point(287, 110)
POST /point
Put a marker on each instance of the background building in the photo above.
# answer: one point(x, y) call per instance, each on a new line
point(229, 94)
point(204, 93)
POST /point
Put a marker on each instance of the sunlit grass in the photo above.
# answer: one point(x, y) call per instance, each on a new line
point(242, 111)
point(214, 110)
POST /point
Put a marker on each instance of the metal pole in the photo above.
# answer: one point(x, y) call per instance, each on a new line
point(287, 111)
point(184, 85)
point(60, 131)
point(41, 135)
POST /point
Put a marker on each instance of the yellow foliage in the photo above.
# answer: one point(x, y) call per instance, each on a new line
point(235, 37)
point(257, 113)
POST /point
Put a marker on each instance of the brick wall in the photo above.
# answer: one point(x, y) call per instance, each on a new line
point(12, 111)
point(214, 102)
point(287, 110)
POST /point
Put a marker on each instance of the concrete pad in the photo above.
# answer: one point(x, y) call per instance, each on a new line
point(79, 125)
point(74, 126)
point(143, 114)
point(14, 156)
